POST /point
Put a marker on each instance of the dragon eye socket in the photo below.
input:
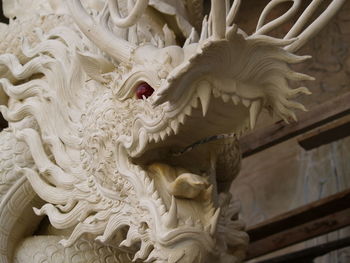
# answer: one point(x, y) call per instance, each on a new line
point(144, 89)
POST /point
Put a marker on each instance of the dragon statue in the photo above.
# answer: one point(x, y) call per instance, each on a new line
point(123, 124)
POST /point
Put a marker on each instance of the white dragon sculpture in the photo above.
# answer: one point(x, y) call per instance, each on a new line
point(121, 115)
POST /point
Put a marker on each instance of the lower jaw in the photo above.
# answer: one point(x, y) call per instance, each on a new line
point(194, 207)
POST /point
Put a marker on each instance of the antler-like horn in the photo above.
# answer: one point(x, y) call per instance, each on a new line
point(133, 16)
point(298, 31)
point(218, 11)
point(315, 26)
point(263, 29)
point(232, 13)
point(116, 47)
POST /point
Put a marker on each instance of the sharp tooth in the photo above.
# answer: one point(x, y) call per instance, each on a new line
point(254, 112)
point(156, 137)
point(204, 97)
point(204, 31)
point(216, 93)
point(235, 99)
point(193, 38)
point(214, 221)
point(162, 134)
point(182, 118)
point(168, 131)
point(225, 97)
point(175, 126)
point(188, 110)
point(170, 219)
point(246, 102)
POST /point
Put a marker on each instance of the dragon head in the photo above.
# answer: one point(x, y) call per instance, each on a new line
point(157, 105)
point(144, 148)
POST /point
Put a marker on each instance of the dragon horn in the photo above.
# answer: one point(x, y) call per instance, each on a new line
point(118, 48)
point(218, 10)
point(302, 31)
point(319, 23)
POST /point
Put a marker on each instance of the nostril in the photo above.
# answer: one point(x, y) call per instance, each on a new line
point(144, 89)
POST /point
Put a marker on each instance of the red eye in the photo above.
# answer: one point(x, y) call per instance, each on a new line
point(143, 89)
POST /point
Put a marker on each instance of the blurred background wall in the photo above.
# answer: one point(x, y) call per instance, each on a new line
point(286, 176)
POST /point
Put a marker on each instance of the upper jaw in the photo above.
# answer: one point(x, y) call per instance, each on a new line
point(203, 110)
point(253, 70)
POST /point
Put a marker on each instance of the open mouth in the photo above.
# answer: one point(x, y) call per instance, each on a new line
point(183, 162)
point(197, 125)
point(184, 137)
point(199, 99)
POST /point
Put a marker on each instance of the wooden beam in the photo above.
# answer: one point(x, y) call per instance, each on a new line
point(325, 134)
point(299, 233)
point(307, 255)
point(280, 131)
point(301, 215)
point(3, 19)
point(300, 224)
